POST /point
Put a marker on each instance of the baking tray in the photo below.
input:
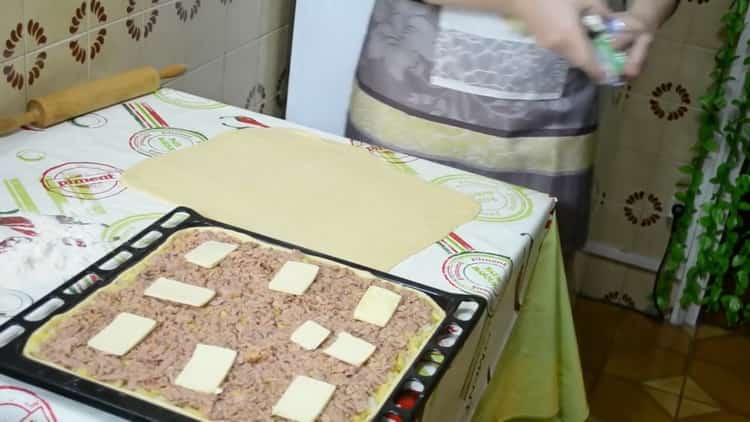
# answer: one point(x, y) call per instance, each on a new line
point(408, 399)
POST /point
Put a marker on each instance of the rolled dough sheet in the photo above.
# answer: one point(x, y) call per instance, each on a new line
point(297, 187)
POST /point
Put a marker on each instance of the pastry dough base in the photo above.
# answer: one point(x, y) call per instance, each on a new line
point(297, 187)
point(402, 362)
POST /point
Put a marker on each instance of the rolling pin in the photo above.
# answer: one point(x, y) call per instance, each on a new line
point(90, 96)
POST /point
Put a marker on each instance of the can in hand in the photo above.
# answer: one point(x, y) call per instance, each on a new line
point(603, 31)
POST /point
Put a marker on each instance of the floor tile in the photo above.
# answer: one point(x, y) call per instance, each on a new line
point(706, 331)
point(726, 386)
point(694, 408)
point(601, 319)
point(729, 351)
point(593, 353)
point(694, 391)
point(596, 324)
point(640, 332)
point(670, 385)
point(646, 364)
point(589, 380)
point(667, 401)
point(715, 417)
point(613, 396)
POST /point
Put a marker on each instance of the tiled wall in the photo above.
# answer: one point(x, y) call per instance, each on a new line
point(646, 133)
point(237, 50)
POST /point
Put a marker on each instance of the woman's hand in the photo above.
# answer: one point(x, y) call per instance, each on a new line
point(556, 25)
point(641, 23)
point(636, 41)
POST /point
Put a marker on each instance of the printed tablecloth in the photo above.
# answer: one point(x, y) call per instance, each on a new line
point(71, 174)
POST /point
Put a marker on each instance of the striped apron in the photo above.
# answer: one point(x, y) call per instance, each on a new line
point(462, 89)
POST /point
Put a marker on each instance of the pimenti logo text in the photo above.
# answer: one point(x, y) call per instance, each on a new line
point(83, 180)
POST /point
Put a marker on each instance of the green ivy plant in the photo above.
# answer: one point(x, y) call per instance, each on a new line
point(723, 257)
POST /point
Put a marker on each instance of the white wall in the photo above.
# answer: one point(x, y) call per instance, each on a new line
point(327, 39)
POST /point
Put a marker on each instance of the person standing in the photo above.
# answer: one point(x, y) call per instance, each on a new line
point(454, 81)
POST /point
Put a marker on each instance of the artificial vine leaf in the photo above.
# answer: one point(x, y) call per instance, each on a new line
point(687, 169)
point(710, 145)
point(733, 222)
point(723, 170)
point(735, 304)
point(743, 281)
point(738, 261)
point(743, 183)
point(714, 294)
point(718, 217)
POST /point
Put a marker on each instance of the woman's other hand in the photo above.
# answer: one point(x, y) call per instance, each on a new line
point(556, 25)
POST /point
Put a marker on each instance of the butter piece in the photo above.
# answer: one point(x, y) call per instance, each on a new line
point(210, 253)
point(304, 400)
point(122, 334)
point(294, 278)
point(350, 349)
point(377, 306)
point(179, 292)
point(310, 335)
point(206, 369)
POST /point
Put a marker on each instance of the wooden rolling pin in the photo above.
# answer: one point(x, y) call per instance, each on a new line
point(90, 96)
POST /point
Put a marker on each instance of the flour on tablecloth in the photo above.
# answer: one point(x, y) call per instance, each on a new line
point(38, 253)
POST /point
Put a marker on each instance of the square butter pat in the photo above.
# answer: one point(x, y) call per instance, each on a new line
point(206, 369)
point(179, 292)
point(304, 400)
point(350, 349)
point(122, 334)
point(377, 306)
point(310, 335)
point(208, 254)
point(294, 278)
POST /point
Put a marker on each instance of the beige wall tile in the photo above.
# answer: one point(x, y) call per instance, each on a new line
point(667, 177)
point(662, 65)
point(242, 87)
point(677, 27)
point(680, 136)
point(637, 289)
point(57, 67)
point(121, 50)
point(11, 30)
point(165, 43)
point(705, 27)
point(80, 39)
point(118, 9)
point(53, 21)
point(651, 241)
point(274, 68)
point(206, 34)
point(243, 23)
point(602, 278)
point(695, 71)
point(275, 14)
point(610, 226)
point(205, 81)
point(12, 86)
point(628, 172)
point(641, 130)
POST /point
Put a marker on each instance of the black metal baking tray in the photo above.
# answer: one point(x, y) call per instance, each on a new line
point(408, 399)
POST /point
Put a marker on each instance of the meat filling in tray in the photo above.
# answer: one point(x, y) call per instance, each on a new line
point(248, 317)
